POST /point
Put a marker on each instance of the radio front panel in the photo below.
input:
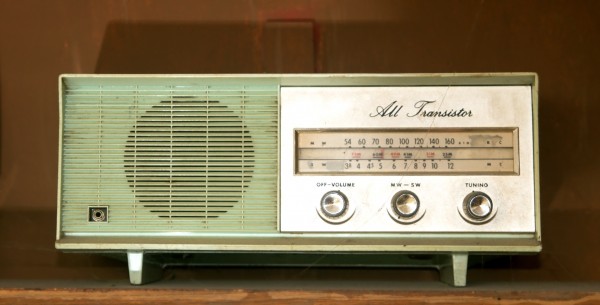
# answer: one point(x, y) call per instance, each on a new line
point(363, 151)
point(419, 163)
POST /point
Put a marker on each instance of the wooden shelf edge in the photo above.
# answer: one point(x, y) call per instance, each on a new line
point(348, 297)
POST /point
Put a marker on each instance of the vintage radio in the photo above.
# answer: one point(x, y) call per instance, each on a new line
point(300, 166)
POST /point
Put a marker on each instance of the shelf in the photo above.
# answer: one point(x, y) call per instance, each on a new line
point(186, 292)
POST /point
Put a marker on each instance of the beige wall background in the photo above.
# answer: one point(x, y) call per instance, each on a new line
point(560, 40)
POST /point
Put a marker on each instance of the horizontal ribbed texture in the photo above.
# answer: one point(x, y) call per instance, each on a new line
point(170, 159)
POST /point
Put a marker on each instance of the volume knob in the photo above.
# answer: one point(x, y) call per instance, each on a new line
point(334, 204)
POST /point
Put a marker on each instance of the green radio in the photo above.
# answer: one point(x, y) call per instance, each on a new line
point(299, 169)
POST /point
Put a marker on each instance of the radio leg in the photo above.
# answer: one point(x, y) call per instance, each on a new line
point(140, 272)
point(454, 270)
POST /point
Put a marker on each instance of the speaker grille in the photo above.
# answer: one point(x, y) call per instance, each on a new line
point(170, 158)
point(189, 158)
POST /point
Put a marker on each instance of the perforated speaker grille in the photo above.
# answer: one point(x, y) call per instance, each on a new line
point(170, 158)
point(183, 169)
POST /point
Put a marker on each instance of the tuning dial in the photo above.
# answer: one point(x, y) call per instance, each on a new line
point(478, 208)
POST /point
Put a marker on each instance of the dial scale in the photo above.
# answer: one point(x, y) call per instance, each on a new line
point(401, 152)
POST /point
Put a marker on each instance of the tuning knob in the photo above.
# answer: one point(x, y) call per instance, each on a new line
point(478, 208)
